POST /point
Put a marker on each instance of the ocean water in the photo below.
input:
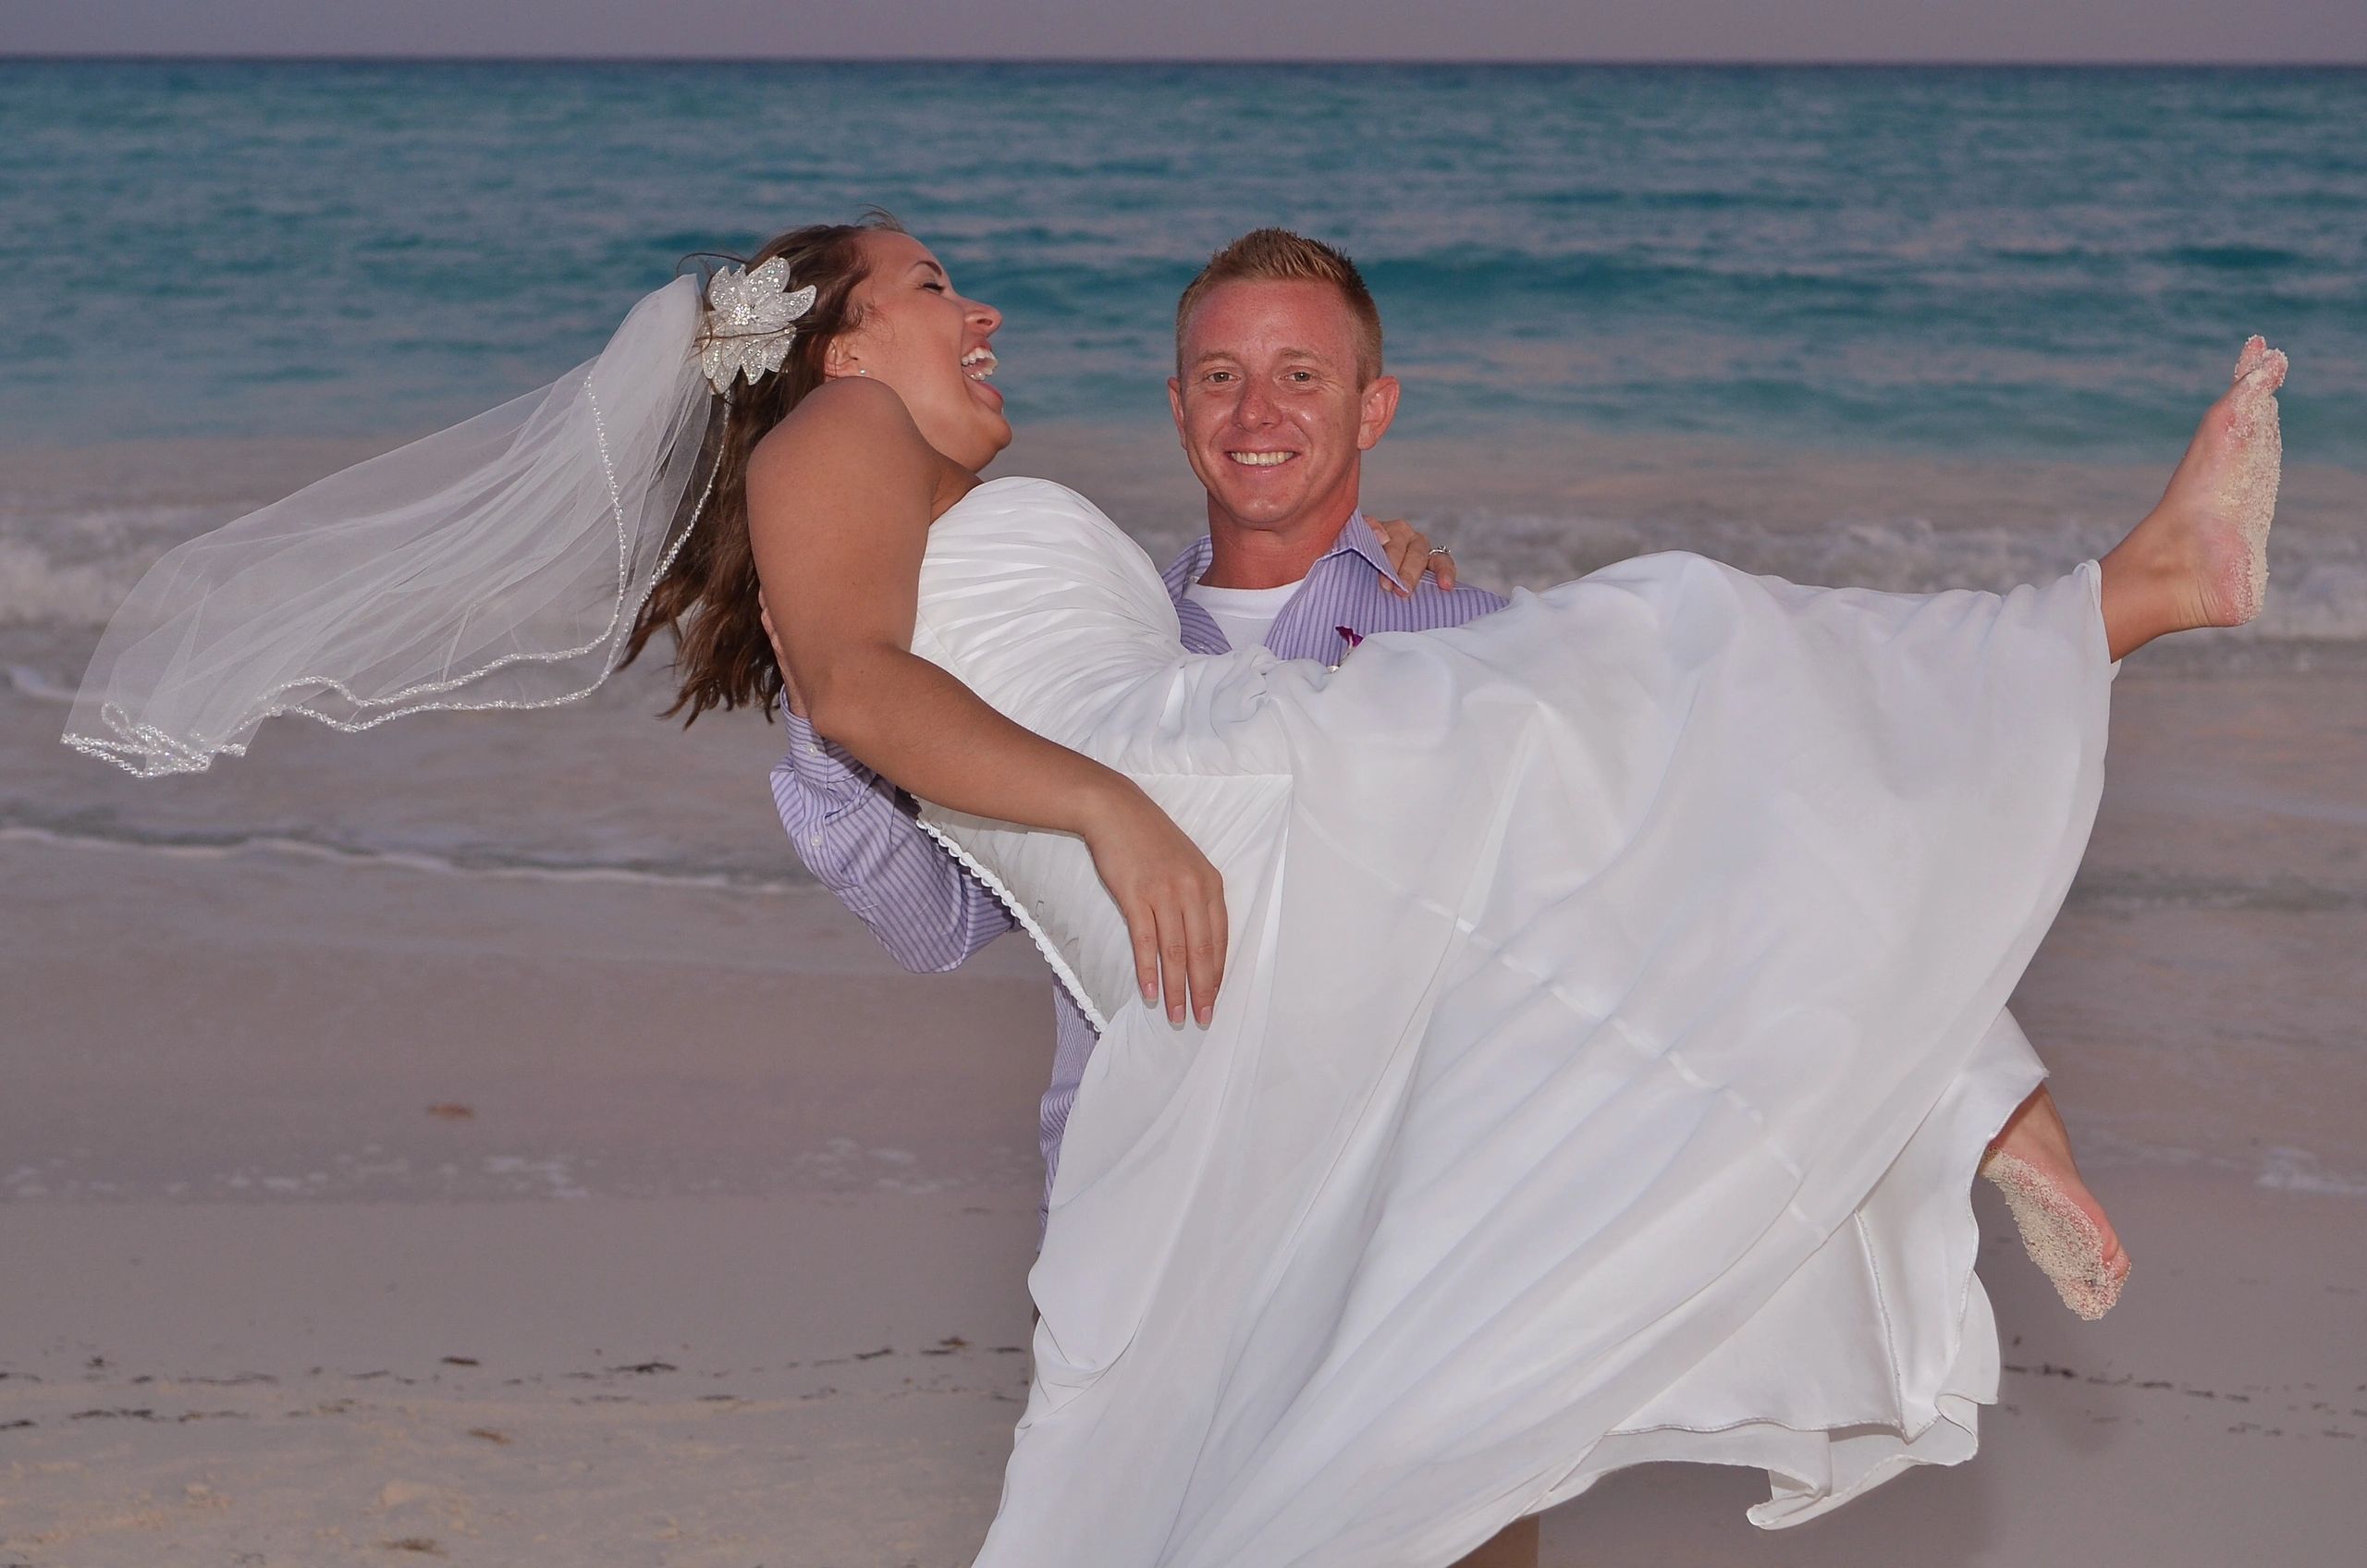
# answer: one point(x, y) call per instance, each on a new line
point(2015, 261)
point(1903, 328)
point(1577, 265)
point(1896, 327)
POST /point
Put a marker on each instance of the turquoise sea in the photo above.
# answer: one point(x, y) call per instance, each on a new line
point(2020, 263)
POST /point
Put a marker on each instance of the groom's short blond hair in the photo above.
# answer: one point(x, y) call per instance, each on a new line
point(1276, 255)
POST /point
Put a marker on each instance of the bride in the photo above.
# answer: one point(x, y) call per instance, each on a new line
point(1631, 1118)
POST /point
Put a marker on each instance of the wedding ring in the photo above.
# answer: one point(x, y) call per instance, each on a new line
point(1440, 550)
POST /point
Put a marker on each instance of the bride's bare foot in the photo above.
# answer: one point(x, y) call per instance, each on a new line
point(2200, 556)
point(2063, 1226)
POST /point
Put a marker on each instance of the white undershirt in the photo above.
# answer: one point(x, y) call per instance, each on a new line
point(1243, 614)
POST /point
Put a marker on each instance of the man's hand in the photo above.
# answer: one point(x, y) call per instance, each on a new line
point(788, 682)
point(1408, 549)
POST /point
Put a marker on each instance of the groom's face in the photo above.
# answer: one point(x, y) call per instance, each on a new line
point(1268, 397)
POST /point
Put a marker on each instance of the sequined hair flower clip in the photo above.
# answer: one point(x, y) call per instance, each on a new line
point(750, 323)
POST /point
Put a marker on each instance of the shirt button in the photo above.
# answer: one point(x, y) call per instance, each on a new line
point(814, 839)
point(813, 746)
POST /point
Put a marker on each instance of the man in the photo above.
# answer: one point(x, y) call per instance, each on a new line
point(1278, 395)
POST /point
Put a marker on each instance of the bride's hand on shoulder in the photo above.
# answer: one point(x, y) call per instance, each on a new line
point(1172, 897)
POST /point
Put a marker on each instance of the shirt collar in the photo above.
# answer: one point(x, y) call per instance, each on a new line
point(1358, 537)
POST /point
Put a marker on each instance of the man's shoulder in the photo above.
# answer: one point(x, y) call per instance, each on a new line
point(1433, 606)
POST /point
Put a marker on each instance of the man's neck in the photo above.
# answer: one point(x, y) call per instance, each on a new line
point(1242, 557)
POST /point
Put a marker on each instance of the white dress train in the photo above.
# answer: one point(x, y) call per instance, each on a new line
point(1614, 1021)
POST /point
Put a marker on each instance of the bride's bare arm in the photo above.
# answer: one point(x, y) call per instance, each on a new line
point(840, 495)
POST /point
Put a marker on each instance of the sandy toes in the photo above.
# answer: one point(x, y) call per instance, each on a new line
point(2223, 494)
point(2086, 1266)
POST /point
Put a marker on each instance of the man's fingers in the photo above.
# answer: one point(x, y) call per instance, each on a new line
point(1403, 546)
point(1411, 560)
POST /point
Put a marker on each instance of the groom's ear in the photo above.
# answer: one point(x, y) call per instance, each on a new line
point(1175, 407)
point(1376, 410)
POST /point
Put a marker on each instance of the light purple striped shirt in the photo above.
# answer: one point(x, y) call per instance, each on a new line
point(855, 833)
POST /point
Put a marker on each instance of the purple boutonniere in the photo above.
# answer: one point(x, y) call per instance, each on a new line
point(1349, 638)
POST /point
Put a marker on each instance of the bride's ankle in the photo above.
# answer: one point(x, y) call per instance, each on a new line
point(2148, 592)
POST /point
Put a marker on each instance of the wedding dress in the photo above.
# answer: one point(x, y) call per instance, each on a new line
point(1615, 1017)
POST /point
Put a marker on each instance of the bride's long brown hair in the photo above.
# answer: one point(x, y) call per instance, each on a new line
point(708, 597)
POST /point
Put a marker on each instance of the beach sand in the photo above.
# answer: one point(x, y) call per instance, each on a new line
point(475, 1141)
point(724, 1264)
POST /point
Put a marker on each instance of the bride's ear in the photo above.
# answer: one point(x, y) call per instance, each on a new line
point(837, 362)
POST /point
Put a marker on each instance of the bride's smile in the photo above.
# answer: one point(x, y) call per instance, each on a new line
point(935, 347)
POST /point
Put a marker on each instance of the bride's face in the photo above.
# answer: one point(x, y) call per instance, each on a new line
point(931, 345)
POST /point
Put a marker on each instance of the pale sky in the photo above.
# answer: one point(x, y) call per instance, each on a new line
point(2305, 31)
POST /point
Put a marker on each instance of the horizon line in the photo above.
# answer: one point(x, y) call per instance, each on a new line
point(1481, 61)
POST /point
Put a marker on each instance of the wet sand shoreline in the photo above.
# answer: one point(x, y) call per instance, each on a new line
point(736, 1226)
point(476, 1141)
